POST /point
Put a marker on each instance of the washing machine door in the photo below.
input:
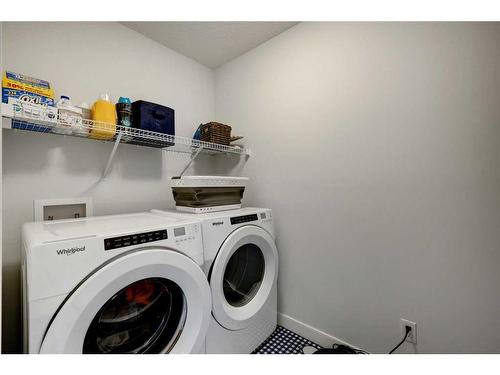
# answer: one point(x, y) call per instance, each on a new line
point(151, 300)
point(243, 275)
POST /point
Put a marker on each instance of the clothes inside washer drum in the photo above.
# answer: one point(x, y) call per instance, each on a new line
point(207, 196)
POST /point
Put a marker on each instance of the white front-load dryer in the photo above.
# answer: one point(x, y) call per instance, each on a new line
point(115, 284)
point(241, 264)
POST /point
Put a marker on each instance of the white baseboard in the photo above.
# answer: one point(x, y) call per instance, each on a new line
point(310, 333)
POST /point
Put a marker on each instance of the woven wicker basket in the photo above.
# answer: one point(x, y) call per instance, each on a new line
point(216, 132)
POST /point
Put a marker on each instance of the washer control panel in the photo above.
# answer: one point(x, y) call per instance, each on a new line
point(134, 239)
point(243, 219)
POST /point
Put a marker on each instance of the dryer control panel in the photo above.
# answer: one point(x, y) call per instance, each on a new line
point(134, 239)
point(243, 219)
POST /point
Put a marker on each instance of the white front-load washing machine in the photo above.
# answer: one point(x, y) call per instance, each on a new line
point(115, 284)
point(241, 264)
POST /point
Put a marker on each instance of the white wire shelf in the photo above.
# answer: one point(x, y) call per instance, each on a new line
point(39, 122)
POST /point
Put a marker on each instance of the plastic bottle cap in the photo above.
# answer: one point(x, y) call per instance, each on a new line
point(64, 97)
point(124, 100)
point(105, 97)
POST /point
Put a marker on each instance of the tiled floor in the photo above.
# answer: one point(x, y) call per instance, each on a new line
point(284, 341)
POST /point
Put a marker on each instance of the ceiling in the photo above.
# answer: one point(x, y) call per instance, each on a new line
point(210, 43)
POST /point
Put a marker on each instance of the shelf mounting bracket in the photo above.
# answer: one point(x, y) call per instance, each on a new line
point(112, 156)
point(193, 156)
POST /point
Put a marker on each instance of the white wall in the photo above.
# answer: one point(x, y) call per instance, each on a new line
point(81, 60)
point(377, 145)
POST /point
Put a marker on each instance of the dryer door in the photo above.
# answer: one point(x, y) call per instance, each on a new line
point(243, 275)
point(147, 301)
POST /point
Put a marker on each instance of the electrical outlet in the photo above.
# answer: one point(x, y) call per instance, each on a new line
point(412, 336)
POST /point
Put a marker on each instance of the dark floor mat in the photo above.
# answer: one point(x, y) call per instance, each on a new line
point(284, 341)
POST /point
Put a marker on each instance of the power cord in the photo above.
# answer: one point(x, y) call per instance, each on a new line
point(408, 330)
point(343, 349)
point(335, 349)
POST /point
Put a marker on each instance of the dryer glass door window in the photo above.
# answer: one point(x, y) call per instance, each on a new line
point(144, 317)
point(243, 275)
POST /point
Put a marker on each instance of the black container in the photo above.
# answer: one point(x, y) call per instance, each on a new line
point(153, 117)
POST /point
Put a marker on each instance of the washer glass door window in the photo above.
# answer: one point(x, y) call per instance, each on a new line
point(144, 317)
point(243, 276)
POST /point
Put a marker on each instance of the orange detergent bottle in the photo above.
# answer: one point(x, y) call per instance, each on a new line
point(104, 117)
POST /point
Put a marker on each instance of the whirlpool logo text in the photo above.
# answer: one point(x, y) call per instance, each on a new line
point(70, 251)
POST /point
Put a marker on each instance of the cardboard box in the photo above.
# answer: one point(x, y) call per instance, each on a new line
point(27, 89)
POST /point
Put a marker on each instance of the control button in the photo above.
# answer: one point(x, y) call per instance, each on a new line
point(134, 239)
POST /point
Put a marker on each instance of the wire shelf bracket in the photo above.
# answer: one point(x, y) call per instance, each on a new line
point(193, 156)
point(111, 156)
